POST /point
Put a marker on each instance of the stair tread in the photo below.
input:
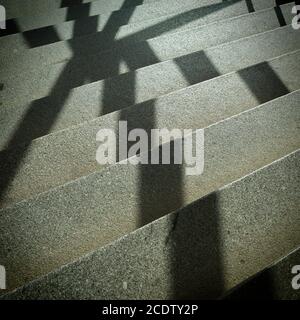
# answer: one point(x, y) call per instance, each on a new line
point(151, 81)
point(170, 265)
point(94, 210)
point(227, 70)
point(63, 157)
point(148, 52)
point(195, 16)
point(55, 7)
point(272, 283)
point(137, 10)
point(255, 22)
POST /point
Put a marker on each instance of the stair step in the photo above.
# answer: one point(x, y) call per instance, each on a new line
point(98, 66)
point(54, 8)
point(273, 283)
point(137, 11)
point(69, 154)
point(113, 30)
point(228, 69)
point(61, 225)
point(148, 82)
point(199, 252)
point(164, 47)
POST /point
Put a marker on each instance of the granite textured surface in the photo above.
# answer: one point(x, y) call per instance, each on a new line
point(71, 228)
point(84, 14)
point(140, 30)
point(201, 251)
point(273, 283)
point(151, 81)
point(32, 7)
point(57, 7)
point(67, 155)
point(165, 46)
point(59, 226)
point(19, 86)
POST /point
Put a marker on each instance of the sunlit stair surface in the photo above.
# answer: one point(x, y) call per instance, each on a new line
point(71, 228)
point(271, 283)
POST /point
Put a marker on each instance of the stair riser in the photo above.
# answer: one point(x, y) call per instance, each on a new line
point(198, 252)
point(148, 82)
point(70, 154)
point(146, 53)
point(166, 24)
point(66, 219)
point(65, 223)
point(138, 11)
point(273, 283)
point(54, 7)
point(164, 47)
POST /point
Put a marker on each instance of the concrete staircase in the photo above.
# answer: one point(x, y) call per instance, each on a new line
point(273, 283)
point(72, 229)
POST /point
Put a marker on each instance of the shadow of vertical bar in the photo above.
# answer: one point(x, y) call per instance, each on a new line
point(194, 236)
point(160, 186)
point(259, 78)
point(196, 245)
point(280, 16)
point(250, 6)
point(261, 287)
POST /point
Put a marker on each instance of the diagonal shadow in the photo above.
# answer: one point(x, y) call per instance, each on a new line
point(70, 3)
point(61, 90)
point(196, 251)
point(153, 202)
point(260, 287)
point(266, 75)
point(46, 34)
point(58, 96)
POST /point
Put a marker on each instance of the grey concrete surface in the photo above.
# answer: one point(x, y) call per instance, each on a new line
point(71, 228)
point(33, 8)
point(114, 30)
point(96, 66)
point(151, 81)
point(137, 10)
point(272, 283)
point(67, 155)
point(164, 47)
point(61, 225)
point(201, 251)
